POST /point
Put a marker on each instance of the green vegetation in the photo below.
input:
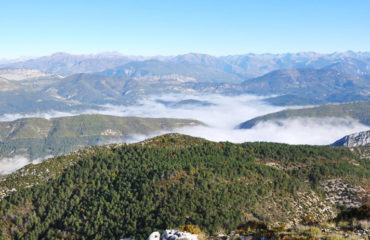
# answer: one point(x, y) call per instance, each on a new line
point(355, 110)
point(117, 191)
point(38, 137)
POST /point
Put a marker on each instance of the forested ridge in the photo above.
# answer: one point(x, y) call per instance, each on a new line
point(39, 137)
point(118, 191)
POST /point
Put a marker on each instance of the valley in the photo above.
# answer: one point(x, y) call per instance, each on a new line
point(241, 154)
point(185, 120)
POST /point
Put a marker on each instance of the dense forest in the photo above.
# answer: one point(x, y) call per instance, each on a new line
point(119, 191)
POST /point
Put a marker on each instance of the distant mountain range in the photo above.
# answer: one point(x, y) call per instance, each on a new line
point(355, 110)
point(39, 137)
point(324, 85)
point(67, 64)
point(90, 80)
point(169, 71)
point(249, 65)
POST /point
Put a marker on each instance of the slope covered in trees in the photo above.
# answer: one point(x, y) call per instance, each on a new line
point(118, 191)
point(39, 137)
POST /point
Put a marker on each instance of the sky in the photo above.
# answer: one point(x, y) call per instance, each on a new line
point(170, 27)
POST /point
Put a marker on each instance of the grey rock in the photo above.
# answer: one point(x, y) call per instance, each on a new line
point(154, 236)
point(354, 140)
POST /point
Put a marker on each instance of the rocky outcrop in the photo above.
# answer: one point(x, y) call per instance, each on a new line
point(340, 193)
point(172, 234)
point(354, 140)
point(154, 236)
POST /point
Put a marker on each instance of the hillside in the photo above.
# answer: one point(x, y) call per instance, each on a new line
point(39, 137)
point(356, 110)
point(22, 101)
point(7, 85)
point(316, 84)
point(154, 70)
point(351, 66)
point(120, 191)
point(89, 88)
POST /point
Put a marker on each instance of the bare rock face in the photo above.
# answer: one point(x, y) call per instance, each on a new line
point(354, 140)
point(154, 236)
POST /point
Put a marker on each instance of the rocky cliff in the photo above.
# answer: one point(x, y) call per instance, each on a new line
point(354, 140)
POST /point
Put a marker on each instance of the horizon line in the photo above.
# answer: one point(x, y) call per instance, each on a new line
point(117, 53)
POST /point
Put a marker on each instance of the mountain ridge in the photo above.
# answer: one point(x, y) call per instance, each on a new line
point(38, 137)
point(250, 65)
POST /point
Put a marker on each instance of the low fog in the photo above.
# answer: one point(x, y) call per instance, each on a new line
point(9, 165)
point(221, 117)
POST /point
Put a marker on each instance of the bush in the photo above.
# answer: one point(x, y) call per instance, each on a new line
point(334, 237)
point(325, 225)
point(191, 229)
point(312, 232)
point(343, 225)
point(194, 229)
point(251, 226)
point(308, 220)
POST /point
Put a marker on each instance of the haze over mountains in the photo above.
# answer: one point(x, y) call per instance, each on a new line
point(298, 79)
point(250, 65)
point(208, 120)
point(222, 92)
point(53, 105)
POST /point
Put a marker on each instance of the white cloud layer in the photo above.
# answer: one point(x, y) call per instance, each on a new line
point(9, 165)
point(221, 119)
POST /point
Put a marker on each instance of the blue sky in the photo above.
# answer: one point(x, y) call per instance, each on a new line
point(170, 27)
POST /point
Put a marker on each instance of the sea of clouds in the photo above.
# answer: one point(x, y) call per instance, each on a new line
point(221, 121)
